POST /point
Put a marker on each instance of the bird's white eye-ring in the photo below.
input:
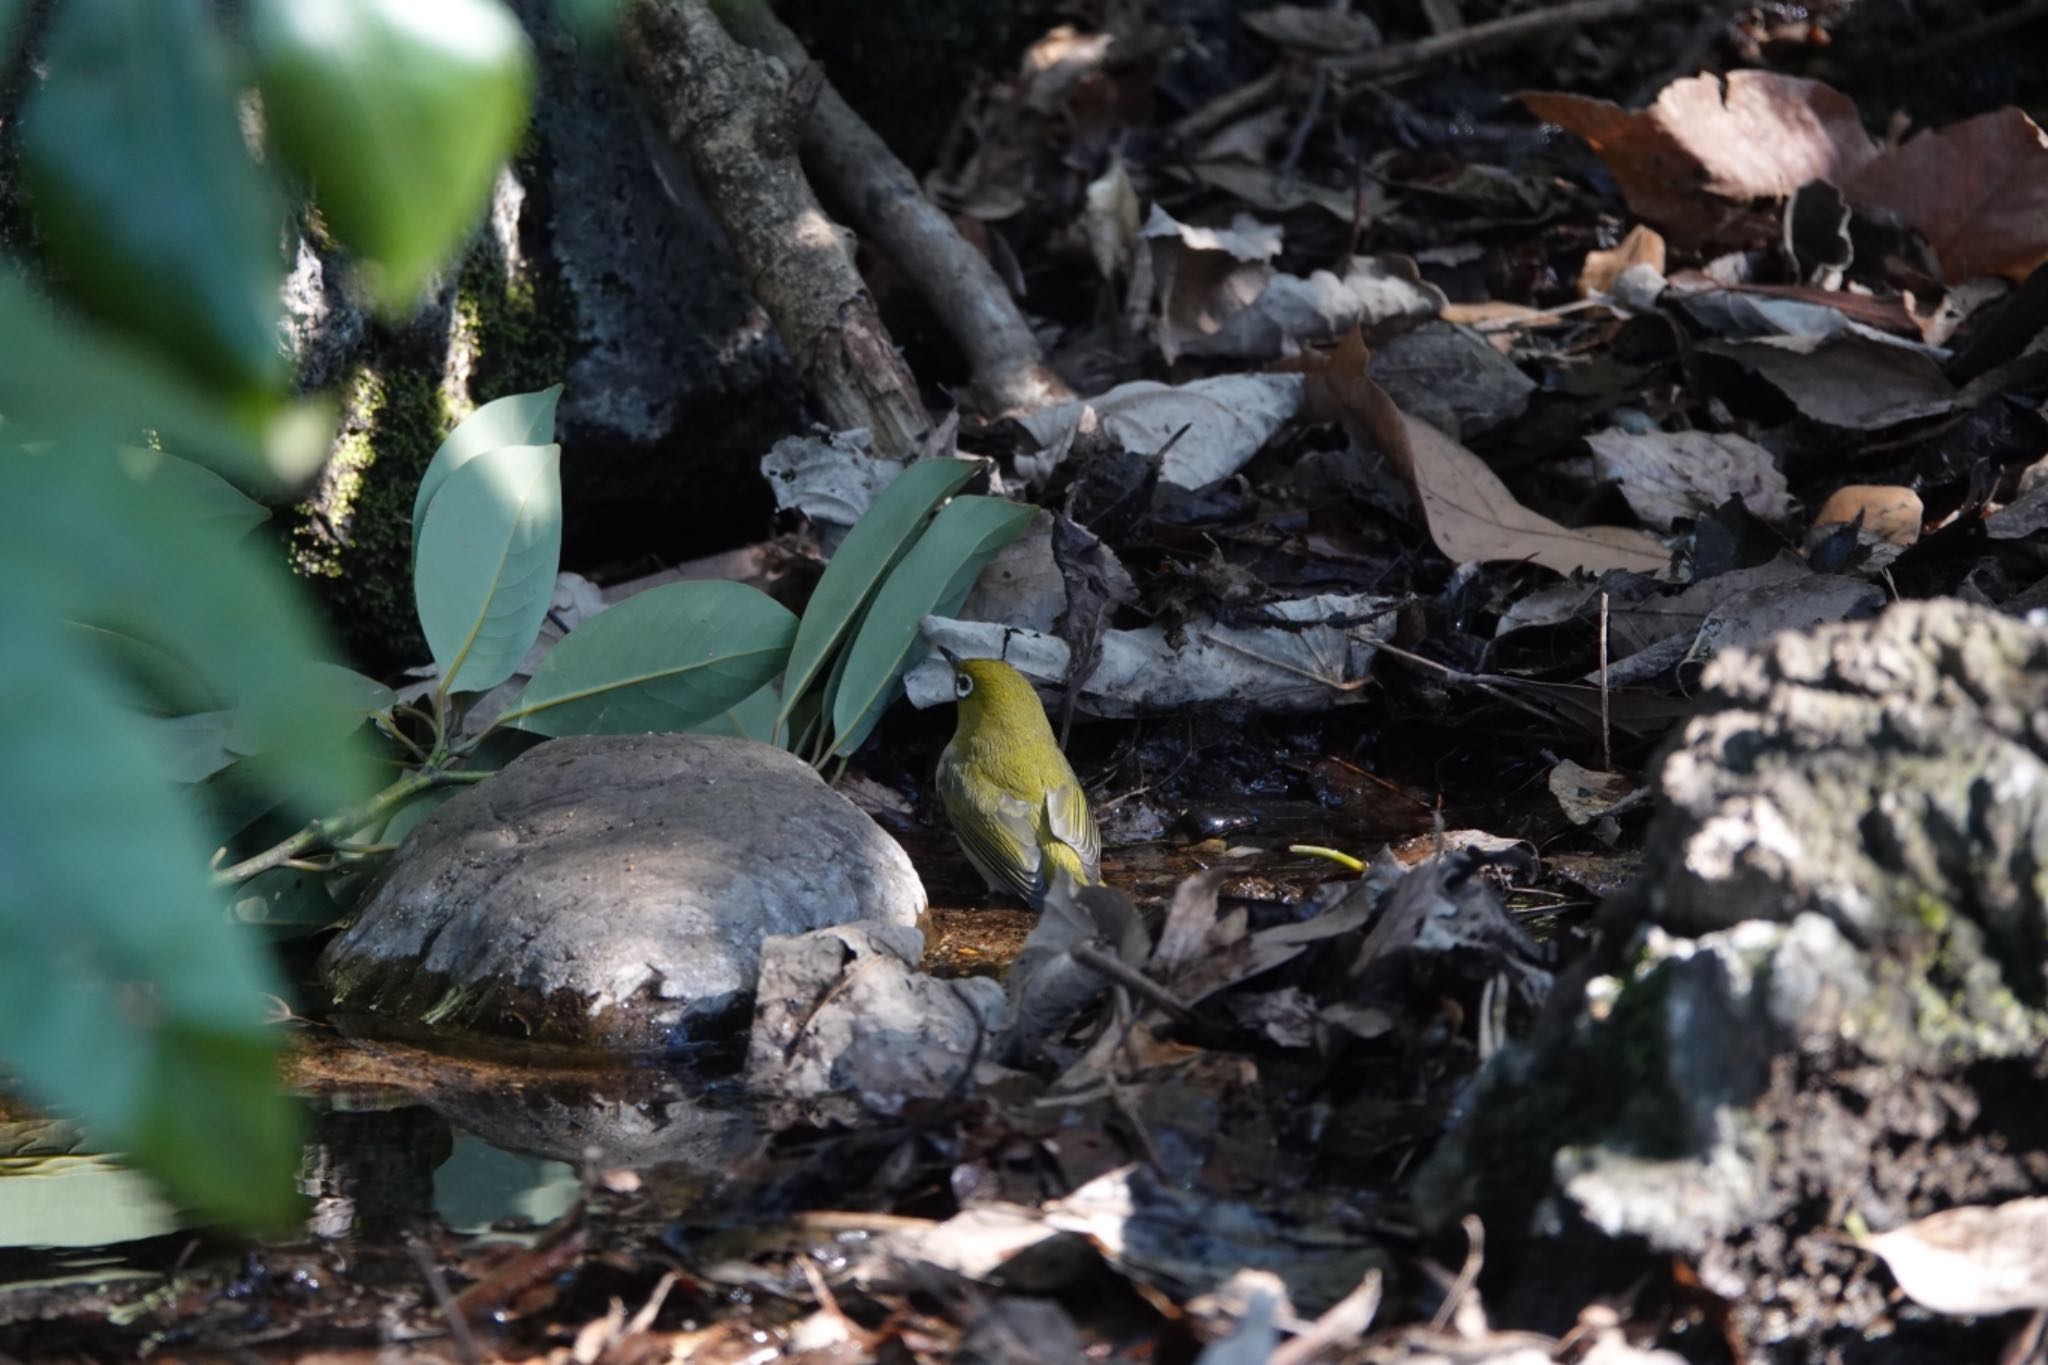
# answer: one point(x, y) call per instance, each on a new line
point(962, 684)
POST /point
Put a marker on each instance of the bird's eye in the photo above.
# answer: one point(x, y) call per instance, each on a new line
point(962, 684)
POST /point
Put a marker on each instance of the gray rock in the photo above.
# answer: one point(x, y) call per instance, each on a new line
point(846, 1011)
point(1827, 997)
point(613, 892)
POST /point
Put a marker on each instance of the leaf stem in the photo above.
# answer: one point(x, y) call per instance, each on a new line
point(329, 831)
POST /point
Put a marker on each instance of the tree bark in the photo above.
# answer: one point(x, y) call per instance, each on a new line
point(736, 115)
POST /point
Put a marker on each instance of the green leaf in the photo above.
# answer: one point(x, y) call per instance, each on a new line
point(346, 699)
point(193, 747)
point(126, 999)
point(399, 114)
point(875, 543)
point(517, 419)
point(752, 718)
point(485, 572)
point(149, 204)
point(81, 539)
point(934, 578)
point(163, 683)
point(666, 659)
point(78, 383)
point(210, 498)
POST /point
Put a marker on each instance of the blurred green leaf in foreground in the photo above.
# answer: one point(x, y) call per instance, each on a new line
point(148, 644)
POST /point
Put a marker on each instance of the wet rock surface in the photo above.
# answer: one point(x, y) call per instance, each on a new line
point(613, 892)
point(1824, 1000)
point(847, 1011)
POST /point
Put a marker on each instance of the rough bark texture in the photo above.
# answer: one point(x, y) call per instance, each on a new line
point(857, 169)
point(598, 268)
point(1827, 998)
point(736, 116)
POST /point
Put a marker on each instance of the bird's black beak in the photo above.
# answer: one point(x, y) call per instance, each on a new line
point(948, 655)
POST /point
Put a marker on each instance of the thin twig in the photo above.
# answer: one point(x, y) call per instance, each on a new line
point(1606, 746)
point(1468, 1275)
point(451, 1312)
point(1132, 980)
point(1514, 29)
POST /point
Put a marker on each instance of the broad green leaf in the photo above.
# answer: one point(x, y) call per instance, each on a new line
point(346, 699)
point(880, 538)
point(80, 539)
point(103, 892)
point(398, 114)
point(517, 419)
point(752, 718)
point(163, 683)
point(148, 201)
point(193, 747)
point(67, 379)
point(934, 578)
point(210, 498)
point(666, 659)
point(485, 571)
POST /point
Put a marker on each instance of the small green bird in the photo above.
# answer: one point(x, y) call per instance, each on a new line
point(1015, 804)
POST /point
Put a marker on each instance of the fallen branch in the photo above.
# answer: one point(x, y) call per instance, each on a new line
point(851, 162)
point(734, 114)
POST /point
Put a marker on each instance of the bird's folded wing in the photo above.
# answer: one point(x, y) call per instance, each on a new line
point(1002, 844)
point(1069, 820)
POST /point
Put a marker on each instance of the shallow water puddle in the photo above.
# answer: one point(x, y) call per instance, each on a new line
point(427, 1152)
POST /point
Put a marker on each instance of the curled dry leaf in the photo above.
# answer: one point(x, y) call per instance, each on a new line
point(1111, 219)
point(1586, 794)
point(1471, 515)
point(1976, 190)
point(1761, 136)
point(1672, 475)
point(1971, 1262)
point(1314, 29)
point(1276, 191)
point(1058, 64)
point(1216, 294)
point(1451, 378)
point(1642, 246)
point(1849, 381)
point(1206, 430)
point(1890, 512)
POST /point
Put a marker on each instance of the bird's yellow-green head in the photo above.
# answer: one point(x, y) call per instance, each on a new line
point(1019, 811)
point(997, 703)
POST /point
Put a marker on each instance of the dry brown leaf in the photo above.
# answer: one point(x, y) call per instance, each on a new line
point(1642, 246)
point(1890, 513)
point(1056, 65)
point(1470, 513)
point(1586, 794)
point(1976, 190)
point(1761, 137)
point(1319, 29)
point(1848, 381)
point(1668, 475)
point(1110, 220)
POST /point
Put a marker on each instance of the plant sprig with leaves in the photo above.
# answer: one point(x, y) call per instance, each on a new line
point(683, 656)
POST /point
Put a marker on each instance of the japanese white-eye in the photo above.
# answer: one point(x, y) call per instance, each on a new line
point(1016, 807)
